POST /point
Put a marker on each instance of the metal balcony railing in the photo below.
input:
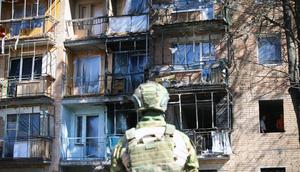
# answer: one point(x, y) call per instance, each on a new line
point(210, 143)
point(183, 11)
point(106, 26)
point(32, 147)
point(29, 27)
point(116, 84)
point(212, 73)
point(79, 148)
point(87, 27)
point(14, 87)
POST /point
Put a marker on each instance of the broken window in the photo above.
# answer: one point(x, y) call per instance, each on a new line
point(87, 75)
point(27, 64)
point(193, 55)
point(205, 6)
point(128, 71)
point(121, 117)
point(271, 116)
point(278, 169)
point(199, 111)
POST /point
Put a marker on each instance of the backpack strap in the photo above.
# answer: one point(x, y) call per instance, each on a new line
point(170, 129)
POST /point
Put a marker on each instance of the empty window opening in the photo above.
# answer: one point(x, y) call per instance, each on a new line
point(281, 169)
point(198, 111)
point(271, 116)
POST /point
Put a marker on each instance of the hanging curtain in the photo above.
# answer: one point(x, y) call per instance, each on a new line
point(87, 74)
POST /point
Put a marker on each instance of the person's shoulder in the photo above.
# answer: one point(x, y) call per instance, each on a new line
point(184, 137)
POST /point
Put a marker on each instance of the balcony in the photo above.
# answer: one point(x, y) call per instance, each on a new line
point(31, 27)
point(211, 143)
point(182, 11)
point(87, 28)
point(204, 73)
point(84, 149)
point(106, 26)
point(25, 151)
point(16, 88)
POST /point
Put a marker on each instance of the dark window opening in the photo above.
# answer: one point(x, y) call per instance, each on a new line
point(121, 117)
point(281, 169)
point(27, 66)
point(271, 116)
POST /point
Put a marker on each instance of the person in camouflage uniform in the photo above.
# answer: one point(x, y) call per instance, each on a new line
point(153, 145)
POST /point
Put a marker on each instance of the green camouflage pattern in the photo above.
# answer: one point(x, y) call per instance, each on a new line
point(152, 120)
point(151, 95)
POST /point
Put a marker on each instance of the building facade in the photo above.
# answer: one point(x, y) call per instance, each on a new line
point(68, 69)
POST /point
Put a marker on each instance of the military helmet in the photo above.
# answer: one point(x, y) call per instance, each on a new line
point(151, 96)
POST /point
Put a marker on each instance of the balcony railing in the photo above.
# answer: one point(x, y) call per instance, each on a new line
point(115, 84)
point(182, 75)
point(89, 148)
point(182, 12)
point(211, 143)
point(33, 147)
point(43, 26)
point(12, 88)
point(103, 26)
point(87, 28)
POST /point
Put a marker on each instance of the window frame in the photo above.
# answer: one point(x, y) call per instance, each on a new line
point(269, 36)
point(20, 77)
point(79, 140)
point(197, 62)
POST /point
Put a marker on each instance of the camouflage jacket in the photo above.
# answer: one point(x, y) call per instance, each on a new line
point(118, 164)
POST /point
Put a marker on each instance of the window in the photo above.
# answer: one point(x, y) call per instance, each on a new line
point(36, 9)
point(128, 71)
point(271, 116)
point(23, 127)
point(25, 68)
point(88, 132)
point(121, 117)
point(193, 55)
point(281, 169)
point(198, 111)
point(269, 50)
point(206, 6)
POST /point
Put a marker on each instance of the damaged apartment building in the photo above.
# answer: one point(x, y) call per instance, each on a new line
point(68, 69)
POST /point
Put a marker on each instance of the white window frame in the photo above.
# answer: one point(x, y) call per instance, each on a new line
point(83, 138)
point(201, 56)
point(21, 66)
